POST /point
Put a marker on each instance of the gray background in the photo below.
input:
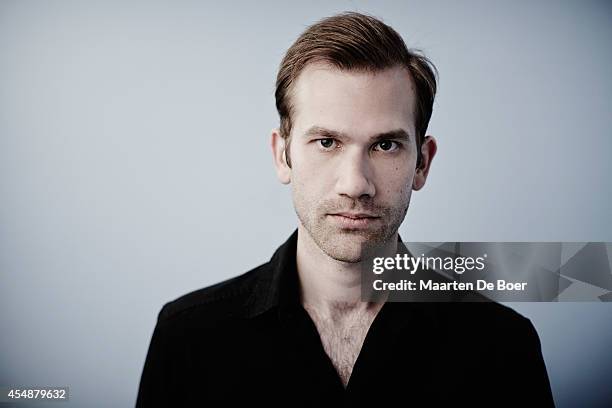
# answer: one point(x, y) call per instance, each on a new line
point(134, 165)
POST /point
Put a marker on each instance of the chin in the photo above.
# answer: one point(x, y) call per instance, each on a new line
point(345, 246)
point(344, 255)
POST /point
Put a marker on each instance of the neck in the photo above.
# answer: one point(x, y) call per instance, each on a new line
point(328, 285)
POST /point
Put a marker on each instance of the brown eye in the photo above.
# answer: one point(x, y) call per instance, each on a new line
point(386, 146)
point(326, 143)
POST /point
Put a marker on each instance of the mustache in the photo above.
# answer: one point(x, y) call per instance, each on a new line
point(354, 206)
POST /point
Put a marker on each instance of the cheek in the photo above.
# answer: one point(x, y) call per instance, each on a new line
point(396, 181)
point(308, 184)
point(312, 173)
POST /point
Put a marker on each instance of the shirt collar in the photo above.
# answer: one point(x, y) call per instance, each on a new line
point(278, 284)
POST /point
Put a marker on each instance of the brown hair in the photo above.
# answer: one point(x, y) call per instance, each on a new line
point(353, 41)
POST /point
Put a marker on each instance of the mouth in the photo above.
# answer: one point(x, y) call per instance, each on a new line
point(354, 220)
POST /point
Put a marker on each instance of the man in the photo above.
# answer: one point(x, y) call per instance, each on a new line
point(354, 106)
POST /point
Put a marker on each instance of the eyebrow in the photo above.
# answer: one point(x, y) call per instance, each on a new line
point(396, 134)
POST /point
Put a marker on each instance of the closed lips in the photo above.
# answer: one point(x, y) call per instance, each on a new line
point(355, 216)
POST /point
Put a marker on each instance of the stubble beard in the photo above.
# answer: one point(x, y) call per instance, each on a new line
point(343, 244)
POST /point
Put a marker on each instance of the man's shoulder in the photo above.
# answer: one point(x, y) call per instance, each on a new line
point(487, 319)
point(223, 300)
point(497, 313)
point(242, 296)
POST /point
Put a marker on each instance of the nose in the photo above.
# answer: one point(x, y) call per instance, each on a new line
point(354, 176)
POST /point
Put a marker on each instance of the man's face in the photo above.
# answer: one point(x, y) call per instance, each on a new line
point(353, 156)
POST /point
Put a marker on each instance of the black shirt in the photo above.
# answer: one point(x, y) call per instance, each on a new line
point(249, 342)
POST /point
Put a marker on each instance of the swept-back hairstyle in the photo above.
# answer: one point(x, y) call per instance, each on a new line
point(353, 41)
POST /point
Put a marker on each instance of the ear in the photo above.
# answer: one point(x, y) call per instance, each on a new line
point(277, 143)
point(429, 147)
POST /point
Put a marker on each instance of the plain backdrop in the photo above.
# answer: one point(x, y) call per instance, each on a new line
point(135, 167)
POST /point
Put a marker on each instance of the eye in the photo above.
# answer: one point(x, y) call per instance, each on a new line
point(387, 146)
point(327, 143)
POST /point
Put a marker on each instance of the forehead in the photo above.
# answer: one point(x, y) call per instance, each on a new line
point(358, 103)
